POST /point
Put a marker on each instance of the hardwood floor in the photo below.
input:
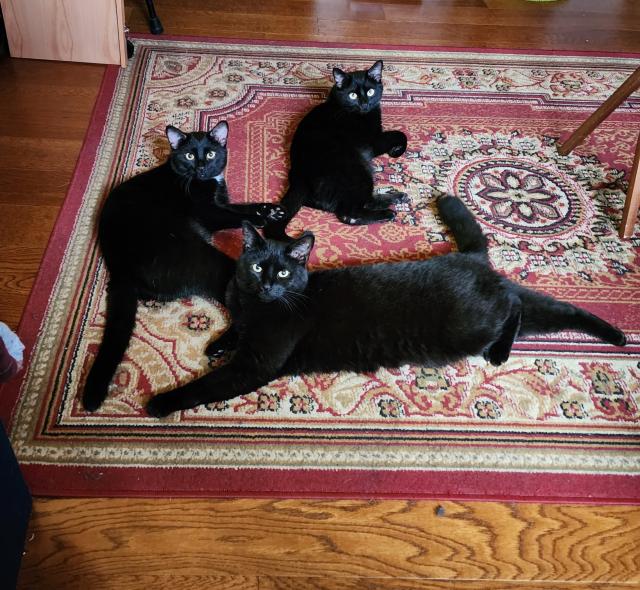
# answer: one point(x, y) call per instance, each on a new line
point(248, 544)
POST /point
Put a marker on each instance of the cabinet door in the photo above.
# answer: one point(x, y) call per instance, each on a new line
point(68, 30)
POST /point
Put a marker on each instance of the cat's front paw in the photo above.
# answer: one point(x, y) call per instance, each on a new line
point(214, 351)
point(497, 354)
point(400, 144)
point(158, 407)
point(619, 338)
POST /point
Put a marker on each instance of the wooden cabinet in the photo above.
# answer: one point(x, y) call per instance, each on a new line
point(67, 30)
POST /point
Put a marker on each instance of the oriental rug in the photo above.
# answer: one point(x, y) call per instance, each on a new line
point(558, 421)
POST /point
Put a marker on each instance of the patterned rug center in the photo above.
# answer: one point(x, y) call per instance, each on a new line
point(520, 196)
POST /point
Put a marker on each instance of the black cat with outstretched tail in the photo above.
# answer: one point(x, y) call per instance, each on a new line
point(154, 233)
point(432, 312)
point(331, 154)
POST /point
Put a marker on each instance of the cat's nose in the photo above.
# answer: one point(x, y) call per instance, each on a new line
point(200, 171)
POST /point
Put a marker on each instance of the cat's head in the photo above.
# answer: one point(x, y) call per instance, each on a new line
point(273, 271)
point(359, 91)
point(199, 154)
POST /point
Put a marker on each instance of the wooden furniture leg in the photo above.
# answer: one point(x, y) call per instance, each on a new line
point(632, 202)
point(630, 85)
point(155, 26)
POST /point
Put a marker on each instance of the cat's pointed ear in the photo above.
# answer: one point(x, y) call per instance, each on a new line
point(251, 239)
point(175, 136)
point(340, 77)
point(301, 248)
point(220, 132)
point(375, 71)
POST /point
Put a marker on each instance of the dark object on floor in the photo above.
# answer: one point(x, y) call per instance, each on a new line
point(11, 353)
point(15, 508)
point(155, 26)
point(4, 45)
point(8, 365)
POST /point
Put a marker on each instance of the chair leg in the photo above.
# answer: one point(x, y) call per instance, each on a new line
point(629, 86)
point(155, 26)
point(632, 202)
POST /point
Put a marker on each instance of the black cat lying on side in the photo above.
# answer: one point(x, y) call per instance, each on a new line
point(430, 312)
point(331, 154)
point(154, 232)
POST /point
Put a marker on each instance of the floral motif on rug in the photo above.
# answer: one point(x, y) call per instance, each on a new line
point(482, 126)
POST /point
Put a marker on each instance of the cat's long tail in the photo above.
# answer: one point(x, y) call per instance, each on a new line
point(465, 229)
point(292, 202)
point(121, 317)
point(542, 314)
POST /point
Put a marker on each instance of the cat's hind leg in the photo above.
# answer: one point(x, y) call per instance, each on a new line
point(381, 201)
point(464, 227)
point(542, 314)
point(498, 352)
point(122, 304)
point(365, 216)
point(355, 203)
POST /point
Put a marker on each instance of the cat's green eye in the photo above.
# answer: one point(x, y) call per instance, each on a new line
point(371, 92)
point(256, 268)
point(211, 155)
point(283, 274)
point(189, 156)
point(353, 95)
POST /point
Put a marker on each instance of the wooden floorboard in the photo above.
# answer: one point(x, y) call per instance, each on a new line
point(122, 544)
point(287, 542)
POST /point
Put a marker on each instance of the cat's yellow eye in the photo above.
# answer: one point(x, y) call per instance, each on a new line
point(353, 95)
point(283, 274)
point(371, 92)
point(211, 155)
point(256, 268)
point(189, 156)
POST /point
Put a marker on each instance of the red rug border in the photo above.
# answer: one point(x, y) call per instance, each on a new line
point(80, 481)
point(75, 481)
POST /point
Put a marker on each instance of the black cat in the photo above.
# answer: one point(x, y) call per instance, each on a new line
point(331, 154)
point(154, 232)
point(430, 312)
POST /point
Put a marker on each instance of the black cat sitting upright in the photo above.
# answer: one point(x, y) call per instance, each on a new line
point(360, 318)
point(331, 154)
point(154, 232)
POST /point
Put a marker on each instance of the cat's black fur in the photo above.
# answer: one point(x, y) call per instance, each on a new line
point(331, 154)
point(430, 312)
point(154, 232)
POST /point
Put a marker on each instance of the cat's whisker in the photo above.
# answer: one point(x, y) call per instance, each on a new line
point(285, 302)
point(290, 303)
point(298, 294)
point(188, 185)
point(302, 299)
